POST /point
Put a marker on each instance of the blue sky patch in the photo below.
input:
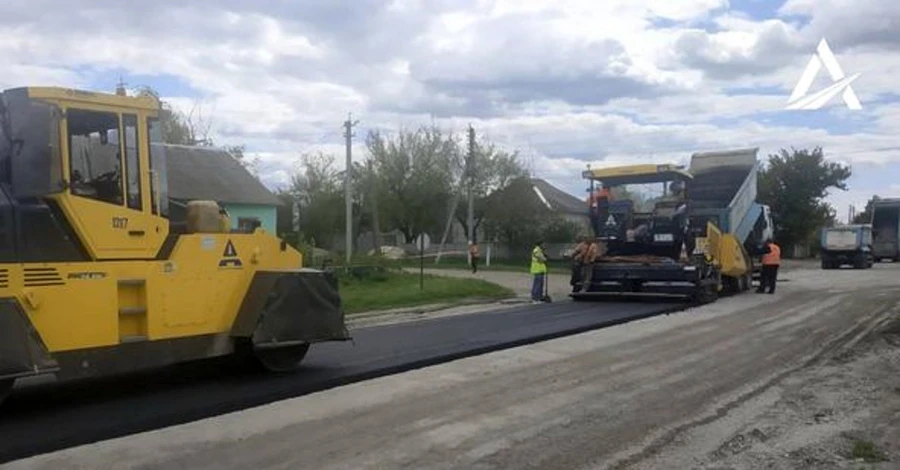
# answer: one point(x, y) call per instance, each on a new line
point(166, 85)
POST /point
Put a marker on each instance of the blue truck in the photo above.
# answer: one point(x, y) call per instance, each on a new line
point(847, 245)
point(885, 227)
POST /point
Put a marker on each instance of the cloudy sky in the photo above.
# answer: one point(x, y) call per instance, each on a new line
point(565, 82)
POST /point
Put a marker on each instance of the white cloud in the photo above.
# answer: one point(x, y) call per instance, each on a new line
point(568, 81)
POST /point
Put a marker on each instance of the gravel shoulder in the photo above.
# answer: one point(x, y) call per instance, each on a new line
point(786, 380)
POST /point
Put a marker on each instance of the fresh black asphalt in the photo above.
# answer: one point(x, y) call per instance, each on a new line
point(45, 418)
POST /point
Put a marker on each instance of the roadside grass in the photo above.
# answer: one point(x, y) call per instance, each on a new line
point(867, 451)
point(389, 289)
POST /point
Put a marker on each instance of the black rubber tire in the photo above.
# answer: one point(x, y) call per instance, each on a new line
point(6, 387)
point(283, 359)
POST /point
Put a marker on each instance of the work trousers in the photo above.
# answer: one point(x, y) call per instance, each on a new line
point(474, 264)
point(575, 281)
point(537, 287)
point(587, 273)
point(768, 278)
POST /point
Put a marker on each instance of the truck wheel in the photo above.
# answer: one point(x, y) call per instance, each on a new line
point(281, 359)
point(6, 387)
point(707, 292)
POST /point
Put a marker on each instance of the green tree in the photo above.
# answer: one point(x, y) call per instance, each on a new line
point(558, 229)
point(317, 191)
point(415, 172)
point(514, 216)
point(492, 170)
point(794, 183)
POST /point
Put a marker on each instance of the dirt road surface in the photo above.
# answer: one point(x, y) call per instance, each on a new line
point(806, 378)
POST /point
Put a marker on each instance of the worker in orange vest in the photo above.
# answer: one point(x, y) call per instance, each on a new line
point(473, 255)
point(771, 259)
point(600, 193)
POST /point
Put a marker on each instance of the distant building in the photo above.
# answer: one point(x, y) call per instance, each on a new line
point(561, 202)
point(212, 174)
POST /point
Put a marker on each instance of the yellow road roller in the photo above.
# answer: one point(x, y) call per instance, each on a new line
point(95, 277)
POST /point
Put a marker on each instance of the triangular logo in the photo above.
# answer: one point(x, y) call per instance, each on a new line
point(611, 220)
point(823, 57)
point(230, 252)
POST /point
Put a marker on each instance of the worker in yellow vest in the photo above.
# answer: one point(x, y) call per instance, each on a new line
point(771, 259)
point(538, 271)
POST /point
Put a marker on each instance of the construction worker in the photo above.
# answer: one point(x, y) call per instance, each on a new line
point(578, 261)
point(538, 271)
point(587, 267)
point(473, 254)
point(601, 193)
point(771, 259)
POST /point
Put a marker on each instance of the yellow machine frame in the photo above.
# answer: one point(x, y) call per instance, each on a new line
point(142, 296)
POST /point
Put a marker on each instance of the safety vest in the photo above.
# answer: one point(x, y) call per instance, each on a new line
point(537, 266)
point(773, 257)
point(602, 193)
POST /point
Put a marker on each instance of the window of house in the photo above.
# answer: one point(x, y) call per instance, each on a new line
point(95, 155)
point(248, 224)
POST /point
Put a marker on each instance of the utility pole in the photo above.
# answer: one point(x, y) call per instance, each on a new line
point(348, 193)
point(470, 176)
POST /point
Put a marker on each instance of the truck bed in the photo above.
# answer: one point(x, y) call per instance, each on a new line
point(723, 189)
point(885, 228)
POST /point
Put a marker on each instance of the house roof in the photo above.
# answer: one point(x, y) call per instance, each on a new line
point(557, 199)
point(206, 173)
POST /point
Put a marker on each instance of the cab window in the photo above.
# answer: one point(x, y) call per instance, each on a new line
point(95, 155)
point(132, 161)
point(159, 183)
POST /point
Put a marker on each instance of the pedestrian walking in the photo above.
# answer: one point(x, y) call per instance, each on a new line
point(538, 272)
point(473, 255)
point(771, 260)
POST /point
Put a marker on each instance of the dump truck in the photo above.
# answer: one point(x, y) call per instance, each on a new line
point(696, 241)
point(95, 281)
point(724, 192)
point(847, 244)
point(885, 229)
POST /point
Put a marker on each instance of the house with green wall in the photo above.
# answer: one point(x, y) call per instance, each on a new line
point(212, 174)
